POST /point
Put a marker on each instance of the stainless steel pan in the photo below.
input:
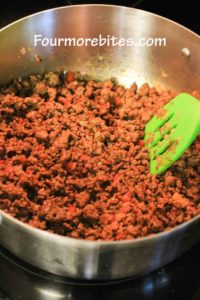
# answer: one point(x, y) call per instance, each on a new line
point(171, 66)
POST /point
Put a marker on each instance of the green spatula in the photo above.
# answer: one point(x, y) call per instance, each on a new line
point(172, 131)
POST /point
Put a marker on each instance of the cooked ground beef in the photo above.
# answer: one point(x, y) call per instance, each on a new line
point(73, 160)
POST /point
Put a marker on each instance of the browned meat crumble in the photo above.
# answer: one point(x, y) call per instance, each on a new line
point(73, 160)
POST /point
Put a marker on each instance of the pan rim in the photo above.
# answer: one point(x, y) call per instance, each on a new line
point(65, 239)
point(101, 5)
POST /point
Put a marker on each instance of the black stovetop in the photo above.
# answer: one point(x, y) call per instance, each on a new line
point(179, 280)
point(183, 12)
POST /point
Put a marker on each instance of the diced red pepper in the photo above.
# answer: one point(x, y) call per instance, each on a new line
point(197, 146)
point(116, 178)
point(141, 143)
point(71, 208)
point(84, 157)
point(1, 162)
point(23, 159)
point(106, 162)
point(71, 166)
point(120, 236)
point(43, 156)
point(118, 101)
point(70, 76)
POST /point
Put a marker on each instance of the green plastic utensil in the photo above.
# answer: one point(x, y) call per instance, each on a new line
point(172, 131)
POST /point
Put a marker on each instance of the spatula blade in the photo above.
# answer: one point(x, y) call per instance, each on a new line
point(172, 131)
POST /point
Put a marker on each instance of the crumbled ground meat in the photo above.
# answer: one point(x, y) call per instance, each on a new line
point(73, 160)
